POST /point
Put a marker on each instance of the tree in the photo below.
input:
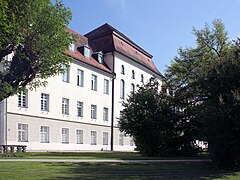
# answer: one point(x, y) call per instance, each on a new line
point(208, 84)
point(33, 41)
point(151, 119)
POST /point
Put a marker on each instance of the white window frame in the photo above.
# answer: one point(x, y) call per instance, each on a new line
point(93, 111)
point(106, 86)
point(122, 89)
point(105, 114)
point(93, 137)
point(65, 106)
point(80, 78)
point(44, 102)
point(121, 139)
point(44, 134)
point(132, 88)
point(23, 99)
point(66, 74)
point(65, 135)
point(79, 136)
point(87, 52)
point(94, 82)
point(105, 138)
point(79, 109)
point(22, 132)
point(72, 46)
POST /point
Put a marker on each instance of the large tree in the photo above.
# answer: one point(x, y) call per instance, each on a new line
point(149, 116)
point(33, 42)
point(207, 82)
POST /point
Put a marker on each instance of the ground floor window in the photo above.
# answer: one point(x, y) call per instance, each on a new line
point(22, 132)
point(105, 138)
point(79, 136)
point(44, 134)
point(65, 135)
point(93, 138)
point(121, 139)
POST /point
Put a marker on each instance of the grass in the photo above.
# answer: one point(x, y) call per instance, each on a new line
point(177, 171)
point(97, 170)
point(86, 155)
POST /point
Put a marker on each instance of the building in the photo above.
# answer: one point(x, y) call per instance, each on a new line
point(79, 110)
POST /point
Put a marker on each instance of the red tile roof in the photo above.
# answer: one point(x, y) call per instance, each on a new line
point(82, 41)
point(108, 39)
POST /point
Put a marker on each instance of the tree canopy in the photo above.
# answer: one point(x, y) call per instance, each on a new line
point(207, 82)
point(33, 42)
point(149, 116)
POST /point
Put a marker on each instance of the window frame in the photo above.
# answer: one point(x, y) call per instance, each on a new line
point(44, 102)
point(80, 77)
point(23, 99)
point(22, 132)
point(65, 135)
point(79, 109)
point(105, 86)
point(93, 111)
point(66, 73)
point(122, 89)
point(93, 137)
point(79, 136)
point(94, 82)
point(44, 134)
point(65, 106)
point(105, 138)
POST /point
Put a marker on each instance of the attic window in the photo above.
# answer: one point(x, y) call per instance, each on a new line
point(122, 43)
point(100, 58)
point(86, 51)
point(72, 47)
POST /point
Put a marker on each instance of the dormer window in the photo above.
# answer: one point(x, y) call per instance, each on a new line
point(98, 56)
point(72, 47)
point(86, 51)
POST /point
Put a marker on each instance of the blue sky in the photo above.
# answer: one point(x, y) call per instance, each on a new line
point(158, 26)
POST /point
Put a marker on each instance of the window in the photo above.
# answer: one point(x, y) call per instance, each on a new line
point(44, 102)
point(132, 88)
point(44, 134)
point(65, 135)
point(133, 74)
point(142, 78)
point(72, 47)
point(100, 58)
point(86, 51)
point(105, 114)
point(131, 142)
point(123, 70)
point(22, 132)
point(121, 139)
point(93, 138)
point(65, 106)
point(106, 86)
point(65, 74)
point(79, 136)
point(22, 99)
point(93, 112)
point(79, 109)
point(105, 138)
point(94, 83)
point(122, 89)
point(80, 77)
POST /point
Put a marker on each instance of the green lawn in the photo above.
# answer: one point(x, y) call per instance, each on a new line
point(35, 170)
point(86, 155)
point(90, 170)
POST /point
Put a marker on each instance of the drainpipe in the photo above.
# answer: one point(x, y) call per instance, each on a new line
point(112, 118)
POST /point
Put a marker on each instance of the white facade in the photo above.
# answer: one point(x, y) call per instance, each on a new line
point(75, 111)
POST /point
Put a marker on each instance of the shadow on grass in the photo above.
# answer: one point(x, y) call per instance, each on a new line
point(176, 171)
